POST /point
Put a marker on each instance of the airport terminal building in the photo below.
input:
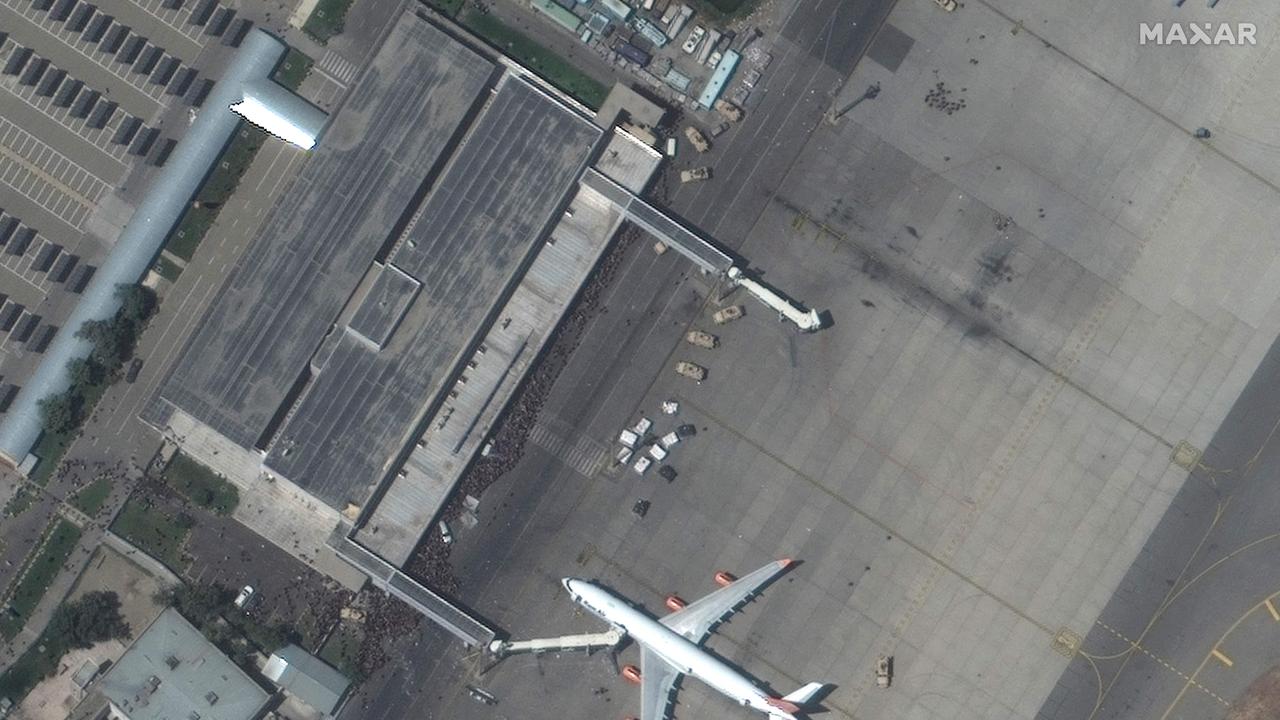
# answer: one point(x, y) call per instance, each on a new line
point(356, 357)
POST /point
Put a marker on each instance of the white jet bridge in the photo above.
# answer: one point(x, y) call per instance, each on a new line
point(587, 642)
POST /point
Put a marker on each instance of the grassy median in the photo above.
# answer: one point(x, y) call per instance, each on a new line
point(37, 576)
point(555, 69)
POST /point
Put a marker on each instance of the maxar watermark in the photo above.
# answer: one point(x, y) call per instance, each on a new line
point(1197, 34)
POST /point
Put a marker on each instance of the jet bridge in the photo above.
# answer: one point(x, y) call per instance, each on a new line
point(806, 320)
point(587, 642)
point(679, 238)
point(704, 253)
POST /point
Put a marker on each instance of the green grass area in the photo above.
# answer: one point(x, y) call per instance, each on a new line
point(191, 229)
point(327, 20)
point(36, 577)
point(49, 448)
point(555, 69)
point(168, 269)
point(448, 7)
point(216, 190)
point(21, 501)
point(235, 160)
point(201, 485)
point(39, 661)
point(90, 498)
point(157, 531)
point(341, 648)
point(294, 69)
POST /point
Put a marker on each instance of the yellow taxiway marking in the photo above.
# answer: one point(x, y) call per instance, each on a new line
point(1222, 658)
point(1271, 608)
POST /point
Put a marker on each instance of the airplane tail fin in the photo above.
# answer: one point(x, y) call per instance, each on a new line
point(804, 695)
point(788, 705)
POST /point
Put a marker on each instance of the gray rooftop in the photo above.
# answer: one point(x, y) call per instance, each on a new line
point(275, 308)
point(384, 305)
point(307, 677)
point(172, 671)
point(499, 195)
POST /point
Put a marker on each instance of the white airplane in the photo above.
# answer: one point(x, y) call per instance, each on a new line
point(671, 646)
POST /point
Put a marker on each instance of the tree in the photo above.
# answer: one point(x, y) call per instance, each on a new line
point(91, 619)
point(110, 344)
point(85, 372)
point(61, 413)
point(200, 604)
point(137, 303)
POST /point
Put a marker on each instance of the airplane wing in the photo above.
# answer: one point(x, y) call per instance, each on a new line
point(696, 621)
point(656, 681)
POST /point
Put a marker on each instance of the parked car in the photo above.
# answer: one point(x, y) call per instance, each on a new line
point(697, 139)
point(695, 174)
point(245, 595)
point(668, 473)
point(687, 430)
point(693, 371)
point(641, 508)
point(445, 533)
point(729, 314)
point(135, 367)
point(701, 339)
point(694, 40)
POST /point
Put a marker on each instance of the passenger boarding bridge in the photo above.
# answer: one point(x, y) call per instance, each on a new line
point(705, 254)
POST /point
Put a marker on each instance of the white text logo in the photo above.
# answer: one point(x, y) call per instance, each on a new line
point(1197, 34)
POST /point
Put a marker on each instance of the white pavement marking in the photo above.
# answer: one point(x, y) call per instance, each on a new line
point(585, 456)
point(279, 148)
point(172, 347)
point(76, 42)
point(99, 138)
point(179, 19)
point(337, 67)
point(50, 179)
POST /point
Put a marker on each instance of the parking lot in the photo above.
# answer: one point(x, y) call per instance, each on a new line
point(48, 177)
point(95, 97)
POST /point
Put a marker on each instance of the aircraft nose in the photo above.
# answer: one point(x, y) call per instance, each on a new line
point(567, 586)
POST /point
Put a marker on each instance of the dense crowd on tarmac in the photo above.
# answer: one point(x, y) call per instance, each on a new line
point(430, 564)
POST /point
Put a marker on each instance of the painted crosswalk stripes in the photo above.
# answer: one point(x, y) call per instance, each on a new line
point(337, 67)
point(584, 455)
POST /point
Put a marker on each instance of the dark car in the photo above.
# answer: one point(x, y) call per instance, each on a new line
point(641, 508)
point(134, 368)
point(686, 431)
point(668, 473)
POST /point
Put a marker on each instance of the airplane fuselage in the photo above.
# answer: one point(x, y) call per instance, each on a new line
point(685, 656)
